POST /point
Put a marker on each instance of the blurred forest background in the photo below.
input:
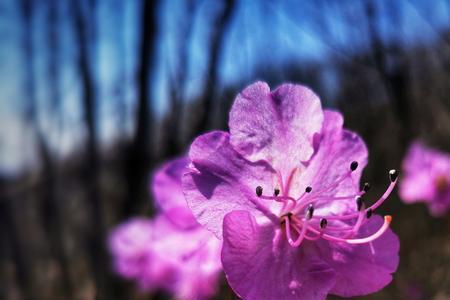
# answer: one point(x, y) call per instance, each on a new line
point(96, 93)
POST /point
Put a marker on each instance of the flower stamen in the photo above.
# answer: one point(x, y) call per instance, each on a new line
point(360, 203)
point(353, 167)
point(276, 192)
point(259, 191)
point(373, 206)
point(323, 223)
point(297, 214)
point(377, 234)
point(301, 232)
point(366, 187)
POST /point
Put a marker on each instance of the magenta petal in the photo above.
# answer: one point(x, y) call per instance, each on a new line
point(426, 178)
point(337, 149)
point(159, 255)
point(166, 186)
point(417, 183)
point(222, 181)
point(131, 243)
point(258, 266)
point(275, 126)
point(362, 269)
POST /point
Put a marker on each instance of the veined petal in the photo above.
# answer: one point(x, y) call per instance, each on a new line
point(221, 181)
point(337, 148)
point(259, 266)
point(362, 269)
point(277, 126)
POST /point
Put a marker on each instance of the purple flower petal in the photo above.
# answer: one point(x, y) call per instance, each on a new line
point(427, 178)
point(259, 266)
point(130, 244)
point(160, 255)
point(275, 126)
point(222, 181)
point(362, 269)
point(336, 150)
point(166, 187)
point(286, 183)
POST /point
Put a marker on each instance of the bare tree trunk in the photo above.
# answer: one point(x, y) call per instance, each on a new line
point(220, 27)
point(10, 235)
point(96, 237)
point(178, 83)
point(52, 208)
point(53, 19)
point(138, 158)
point(120, 88)
point(52, 219)
point(395, 79)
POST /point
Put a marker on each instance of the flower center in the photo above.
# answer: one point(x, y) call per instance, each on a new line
point(441, 184)
point(298, 220)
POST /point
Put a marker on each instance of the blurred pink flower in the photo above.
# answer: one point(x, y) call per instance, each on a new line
point(168, 194)
point(171, 251)
point(426, 178)
point(282, 191)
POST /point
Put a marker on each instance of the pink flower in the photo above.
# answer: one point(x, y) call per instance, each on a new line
point(427, 178)
point(168, 195)
point(282, 191)
point(171, 251)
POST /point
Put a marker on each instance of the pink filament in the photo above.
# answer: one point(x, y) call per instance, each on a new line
point(339, 197)
point(380, 231)
point(359, 222)
point(279, 198)
point(373, 207)
point(301, 233)
point(385, 195)
point(304, 228)
point(288, 182)
point(313, 200)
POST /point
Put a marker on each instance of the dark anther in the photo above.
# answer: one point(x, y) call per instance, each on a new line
point(308, 189)
point(276, 192)
point(354, 165)
point(259, 191)
point(393, 174)
point(309, 212)
point(366, 187)
point(323, 223)
point(369, 213)
point(359, 202)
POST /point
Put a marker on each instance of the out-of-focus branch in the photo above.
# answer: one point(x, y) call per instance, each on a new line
point(138, 158)
point(178, 81)
point(95, 241)
point(219, 29)
point(120, 86)
point(54, 52)
point(52, 208)
point(9, 235)
point(30, 116)
point(394, 78)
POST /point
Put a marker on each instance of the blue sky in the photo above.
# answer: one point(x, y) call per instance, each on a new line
point(261, 33)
